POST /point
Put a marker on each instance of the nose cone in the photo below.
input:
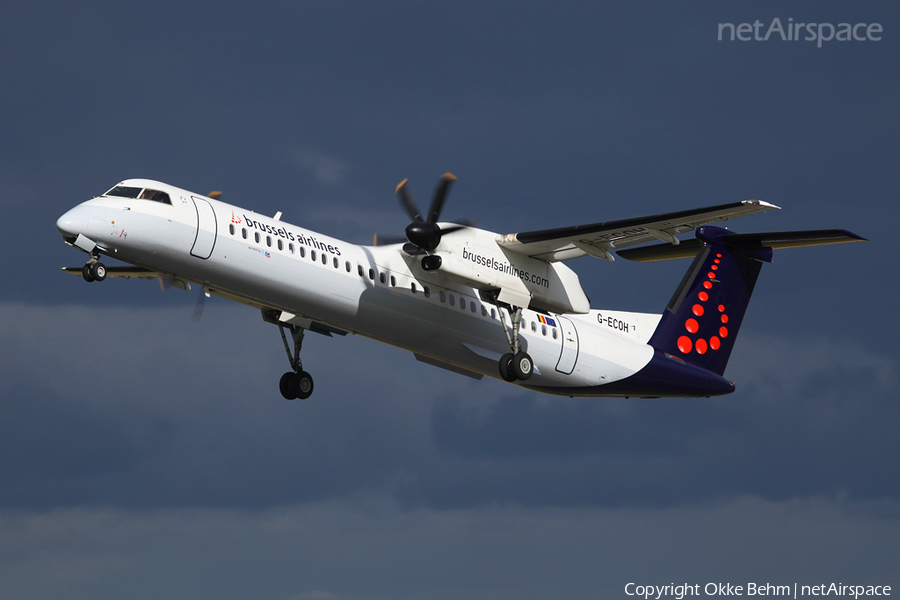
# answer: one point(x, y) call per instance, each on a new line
point(73, 222)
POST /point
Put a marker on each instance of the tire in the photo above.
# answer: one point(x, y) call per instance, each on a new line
point(86, 273)
point(302, 385)
point(98, 271)
point(522, 366)
point(505, 371)
point(285, 386)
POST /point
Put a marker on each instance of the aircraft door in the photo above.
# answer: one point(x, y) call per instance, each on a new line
point(569, 353)
point(205, 240)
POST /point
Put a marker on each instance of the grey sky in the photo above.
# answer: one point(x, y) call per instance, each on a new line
point(145, 455)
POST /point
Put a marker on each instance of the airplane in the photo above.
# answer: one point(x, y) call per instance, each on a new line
point(471, 301)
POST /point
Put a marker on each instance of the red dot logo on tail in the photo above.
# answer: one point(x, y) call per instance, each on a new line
point(687, 344)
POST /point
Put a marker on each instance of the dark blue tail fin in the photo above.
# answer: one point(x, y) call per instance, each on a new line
point(704, 316)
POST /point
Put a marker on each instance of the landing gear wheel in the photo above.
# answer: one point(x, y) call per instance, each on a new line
point(86, 273)
point(285, 386)
point(505, 367)
point(301, 384)
point(98, 271)
point(522, 366)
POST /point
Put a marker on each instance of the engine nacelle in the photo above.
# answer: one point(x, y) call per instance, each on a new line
point(473, 258)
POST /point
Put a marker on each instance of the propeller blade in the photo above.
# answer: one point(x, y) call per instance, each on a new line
point(387, 240)
point(412, 249)
point(452, 228)
point(201, 304)
point(440, 194)
point(408, 203)
point(425, 235)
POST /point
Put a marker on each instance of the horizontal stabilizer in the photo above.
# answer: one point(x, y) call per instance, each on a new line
point(774, 240)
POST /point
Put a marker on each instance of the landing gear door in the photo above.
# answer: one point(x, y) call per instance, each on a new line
point(205, 240)
point(569, 353)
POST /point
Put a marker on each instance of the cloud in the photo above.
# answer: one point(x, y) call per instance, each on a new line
point(368, 548)
point(328, 170)
point(808, 418)
point(147, 409)
point(145, 456)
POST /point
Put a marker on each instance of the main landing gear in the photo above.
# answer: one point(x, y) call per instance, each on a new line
point(297, 383)
point(515, 365)
point(93, 270)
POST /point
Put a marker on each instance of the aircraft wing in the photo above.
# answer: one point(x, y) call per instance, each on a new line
point(599, 239)
point(125, 272)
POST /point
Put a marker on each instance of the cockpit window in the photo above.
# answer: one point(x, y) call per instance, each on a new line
point(124, 191)
point(156, 196)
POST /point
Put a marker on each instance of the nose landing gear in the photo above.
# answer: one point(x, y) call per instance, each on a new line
point(93, 270)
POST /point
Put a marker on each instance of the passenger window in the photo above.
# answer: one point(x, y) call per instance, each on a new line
point(412, 286)
point(381, 277)
point(483, 311)
point(336, 262)
point(280, 245)
point(534, 326)
point(256, 236)
point(452, 300)
point(493, 314)
point(427, 292)
point(269, 241)
point(372, 274)
point(442, 296)
point(291, 247)
point(312, 255)
point(347, 266)
point(324, 259)
point(393, 281)
point(554, 333)
point(243, 233)
point(544, 330)
point(302, 252)
point(359, 270)
point(462, 304)
point(472, 306)
point(231, 228)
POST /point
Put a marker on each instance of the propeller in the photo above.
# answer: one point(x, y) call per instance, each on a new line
point(165, 285)
point(424, 234)
point(201, 303)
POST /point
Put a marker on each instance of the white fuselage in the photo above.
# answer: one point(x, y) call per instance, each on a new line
point(379, 292)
